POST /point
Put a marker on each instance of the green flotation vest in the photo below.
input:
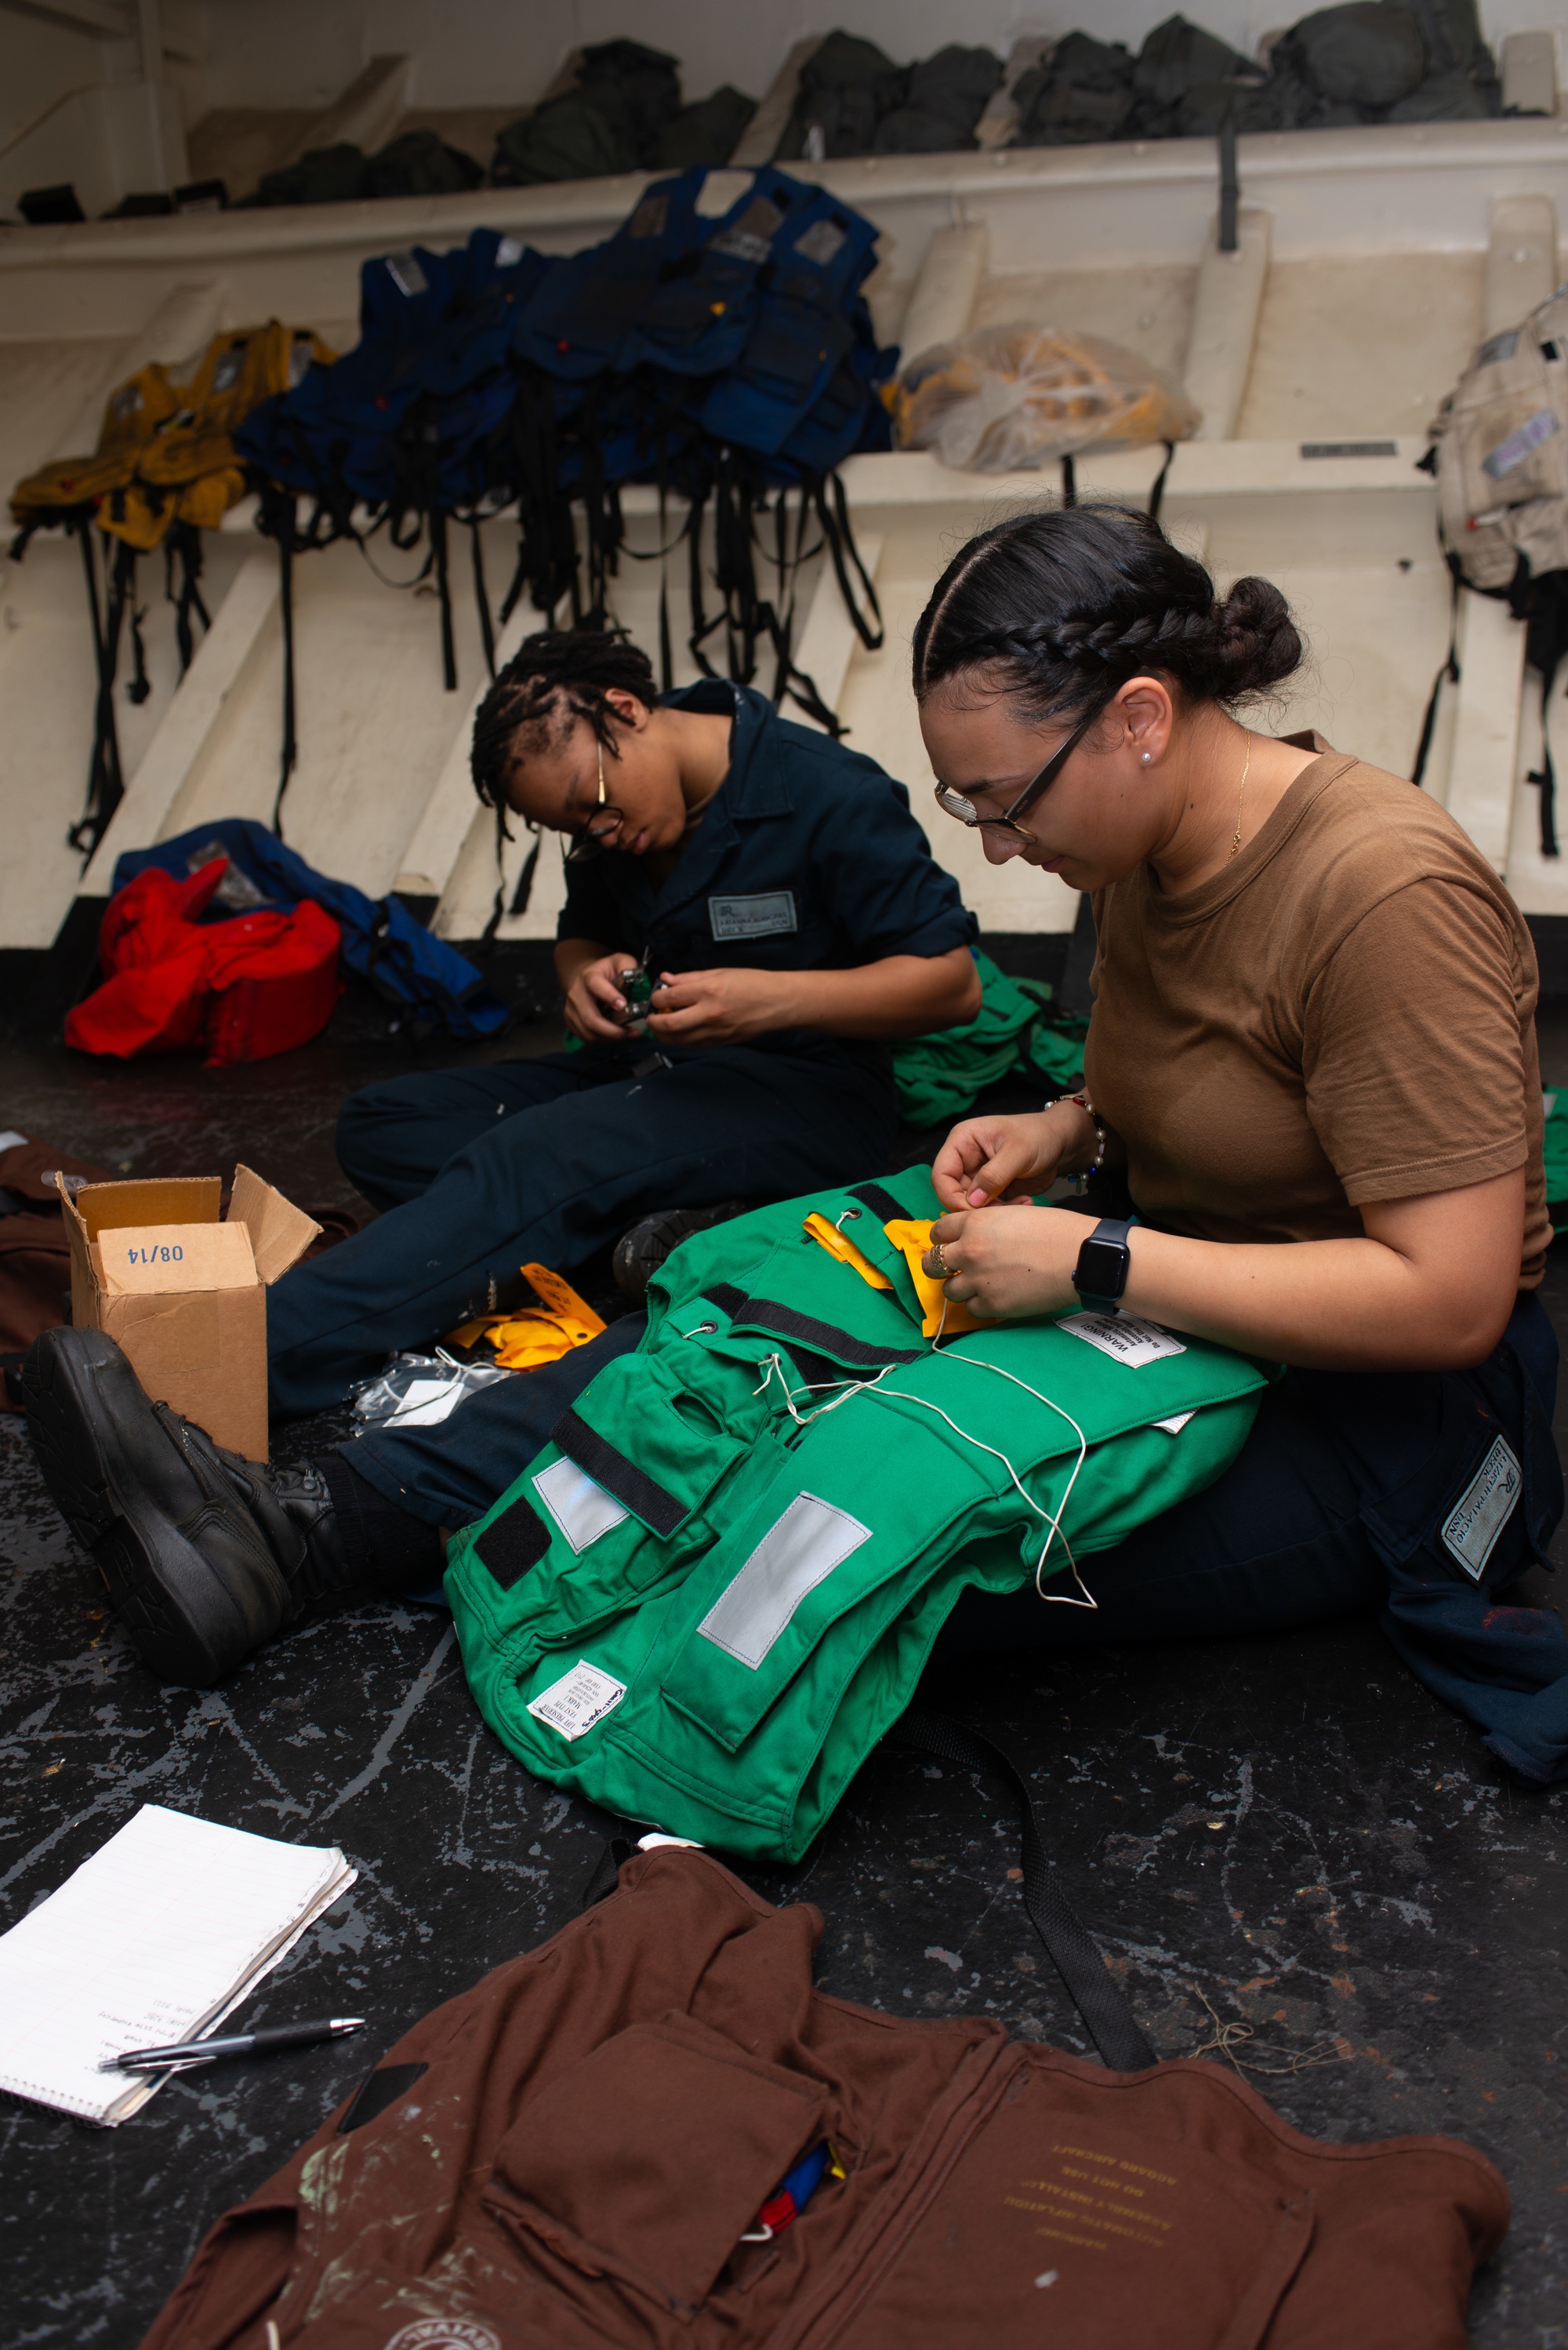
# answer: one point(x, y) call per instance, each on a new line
point(710, 1595)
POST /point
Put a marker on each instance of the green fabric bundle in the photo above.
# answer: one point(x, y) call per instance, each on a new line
point(940, 1076)
point(708, 1598)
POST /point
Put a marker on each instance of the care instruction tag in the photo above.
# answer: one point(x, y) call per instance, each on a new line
point(579, 1700)
point(1124, 1338)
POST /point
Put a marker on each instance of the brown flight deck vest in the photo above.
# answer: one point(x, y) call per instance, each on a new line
point(568, 2156)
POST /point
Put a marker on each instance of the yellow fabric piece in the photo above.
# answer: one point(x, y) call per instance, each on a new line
point(911, 1239)
point(942, 1312)
point(832, 1238)
point(526, 1339)
point(164, 453)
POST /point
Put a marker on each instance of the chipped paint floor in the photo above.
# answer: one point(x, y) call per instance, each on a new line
point(1284, 1845)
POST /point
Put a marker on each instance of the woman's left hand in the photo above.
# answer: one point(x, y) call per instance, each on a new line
point(1004, 1262)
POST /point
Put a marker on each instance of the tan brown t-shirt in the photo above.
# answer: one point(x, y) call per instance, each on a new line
point(1345, 1014)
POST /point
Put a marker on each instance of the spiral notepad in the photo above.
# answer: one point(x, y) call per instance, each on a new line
point(154, 1939)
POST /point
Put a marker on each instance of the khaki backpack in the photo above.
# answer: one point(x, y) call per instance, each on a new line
point(1500, 455)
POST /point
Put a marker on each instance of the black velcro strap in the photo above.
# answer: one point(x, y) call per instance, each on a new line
point(605, 1873)
point(513, 1542)
point(726, 1297)
point(1075, 1954)
point(861, 1353)
point(376, 2091)
point(630, 1485)
point(882, 1204)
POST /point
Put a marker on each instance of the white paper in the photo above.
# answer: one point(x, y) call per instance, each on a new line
point(579, 1699)
point(1123, 1336)
point(164, 1931)
point(1174, 1426)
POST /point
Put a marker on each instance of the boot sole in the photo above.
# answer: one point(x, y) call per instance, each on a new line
point(169, 1597)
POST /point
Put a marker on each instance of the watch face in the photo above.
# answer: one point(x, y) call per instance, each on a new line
point(1102, 1268)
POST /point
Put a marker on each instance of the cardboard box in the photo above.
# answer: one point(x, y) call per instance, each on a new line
point(183, 1293)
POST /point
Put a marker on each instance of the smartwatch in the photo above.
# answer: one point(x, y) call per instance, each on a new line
point(1105, 1260)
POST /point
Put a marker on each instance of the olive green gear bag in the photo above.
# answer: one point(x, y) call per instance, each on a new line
point(711, 1595)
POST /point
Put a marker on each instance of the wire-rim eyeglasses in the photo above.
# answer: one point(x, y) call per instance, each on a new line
point(594, 837)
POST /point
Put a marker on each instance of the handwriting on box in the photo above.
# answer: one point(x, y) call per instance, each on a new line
point(144, 1259)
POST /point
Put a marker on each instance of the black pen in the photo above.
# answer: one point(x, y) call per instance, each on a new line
point(238, 2043)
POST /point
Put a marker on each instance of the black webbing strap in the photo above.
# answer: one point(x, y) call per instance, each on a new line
point(766, 1314)
point(482, 598)
point(436, 521)
point(602, 1876)
point(1228, 238)
point(289, 754)
point(106, 787)
point(881, 1203)
point(1157, 495)
point(1074, 1952)
point(1544, 777)
point(1449, 670)
point(608, 1467)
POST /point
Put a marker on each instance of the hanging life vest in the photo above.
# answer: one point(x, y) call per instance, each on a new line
point(1499, 454)
point(165, 469)
point(715, 1590)
point(439, 989)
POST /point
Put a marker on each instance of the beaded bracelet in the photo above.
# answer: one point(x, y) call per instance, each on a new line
point(1084, 1178)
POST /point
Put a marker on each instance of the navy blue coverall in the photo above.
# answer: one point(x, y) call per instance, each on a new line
point(808, 858)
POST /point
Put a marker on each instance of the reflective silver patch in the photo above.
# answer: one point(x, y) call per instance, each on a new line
point(582, 1510)
point(1483, 1509)
point(798, 1551)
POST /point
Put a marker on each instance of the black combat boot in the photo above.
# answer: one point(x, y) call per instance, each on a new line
point(205, 1554)
point(644, 1246)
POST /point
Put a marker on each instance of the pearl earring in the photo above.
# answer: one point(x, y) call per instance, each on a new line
point(1147, 756)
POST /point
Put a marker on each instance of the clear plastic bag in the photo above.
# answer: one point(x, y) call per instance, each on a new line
point(1006, 399)
point(417, 1390)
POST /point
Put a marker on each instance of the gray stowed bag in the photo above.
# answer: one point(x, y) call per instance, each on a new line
point(1499, 454)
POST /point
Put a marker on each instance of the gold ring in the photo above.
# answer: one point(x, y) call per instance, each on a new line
point(937, 1252)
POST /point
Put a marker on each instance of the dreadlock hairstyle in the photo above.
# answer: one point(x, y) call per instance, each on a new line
point(1057, 610)
point(556, 676)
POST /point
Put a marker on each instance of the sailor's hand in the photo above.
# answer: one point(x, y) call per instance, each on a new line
point(718, 1007)
point(988, 1158)
point(1006, 1261)
point(594, 1000)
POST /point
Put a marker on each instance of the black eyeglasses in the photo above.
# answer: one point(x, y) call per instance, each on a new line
point(955, 804)
point(591, 839)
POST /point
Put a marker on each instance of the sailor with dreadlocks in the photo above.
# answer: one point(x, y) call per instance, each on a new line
point(773, 886)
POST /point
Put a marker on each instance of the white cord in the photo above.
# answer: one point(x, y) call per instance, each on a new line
point(1054, 1523)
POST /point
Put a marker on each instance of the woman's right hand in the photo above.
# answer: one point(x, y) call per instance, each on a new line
point(991, 1158)
point(594, 999)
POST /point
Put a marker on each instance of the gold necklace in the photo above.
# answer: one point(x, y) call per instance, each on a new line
point(1240, 797)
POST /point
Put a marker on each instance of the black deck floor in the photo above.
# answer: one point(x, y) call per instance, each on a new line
point(1285, 1833)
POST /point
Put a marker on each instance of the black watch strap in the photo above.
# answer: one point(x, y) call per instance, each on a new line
point(1100, 1275)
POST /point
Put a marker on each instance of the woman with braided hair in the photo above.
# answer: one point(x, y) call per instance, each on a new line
point(1311, 1068)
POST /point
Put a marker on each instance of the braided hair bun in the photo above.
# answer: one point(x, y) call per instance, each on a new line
point(553, 677)
point(1058, 610)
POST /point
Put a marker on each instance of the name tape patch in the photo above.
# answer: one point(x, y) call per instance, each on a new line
point(1520, 443)
point(765, 914)
point(1485, 1507)
point(579, 1700)
point(1124, 1338)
